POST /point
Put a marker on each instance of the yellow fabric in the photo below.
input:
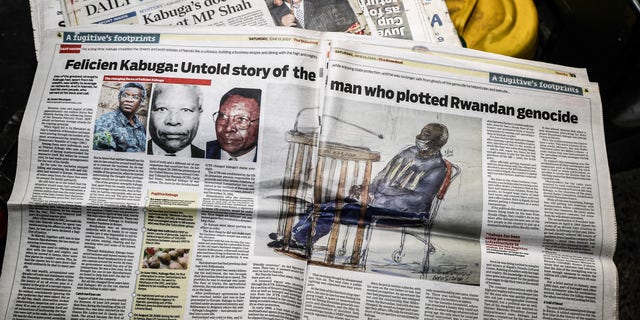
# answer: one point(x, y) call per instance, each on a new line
point(508, 27)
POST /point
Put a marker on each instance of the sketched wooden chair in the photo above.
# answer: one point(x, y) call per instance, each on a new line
point(332, 167)
point(418, 228)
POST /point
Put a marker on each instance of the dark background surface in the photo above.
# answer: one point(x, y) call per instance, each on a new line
point(603, 36)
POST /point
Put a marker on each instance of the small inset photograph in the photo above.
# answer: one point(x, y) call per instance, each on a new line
point(237, 125)
point(165, 258)
point(176, 110)
point(319, 15)
point(120, 117)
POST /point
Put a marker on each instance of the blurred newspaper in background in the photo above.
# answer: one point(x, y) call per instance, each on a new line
point(45, 14)
point(422, 20)
point(175, 12)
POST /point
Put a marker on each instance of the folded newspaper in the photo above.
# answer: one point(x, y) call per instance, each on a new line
point(426, 20)
point(403, 19)
point(280, 173)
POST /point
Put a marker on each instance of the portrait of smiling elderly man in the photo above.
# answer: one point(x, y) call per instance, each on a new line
point(174, 120)
point(237, 125)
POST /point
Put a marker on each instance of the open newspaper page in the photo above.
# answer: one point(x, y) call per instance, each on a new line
point(161, 12)
point(460, 191)
point(149, 164)
point(182, 174)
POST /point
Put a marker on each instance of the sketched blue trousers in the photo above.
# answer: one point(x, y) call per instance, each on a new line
point(350, 215)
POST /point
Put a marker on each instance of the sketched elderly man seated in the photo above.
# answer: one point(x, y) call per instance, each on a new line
point(404, 189)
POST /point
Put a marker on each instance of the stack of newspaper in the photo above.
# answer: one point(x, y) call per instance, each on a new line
point(423, 20)
point(283, 173)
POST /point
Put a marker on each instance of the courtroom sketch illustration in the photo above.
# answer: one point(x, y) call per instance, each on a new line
point(387, 194)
